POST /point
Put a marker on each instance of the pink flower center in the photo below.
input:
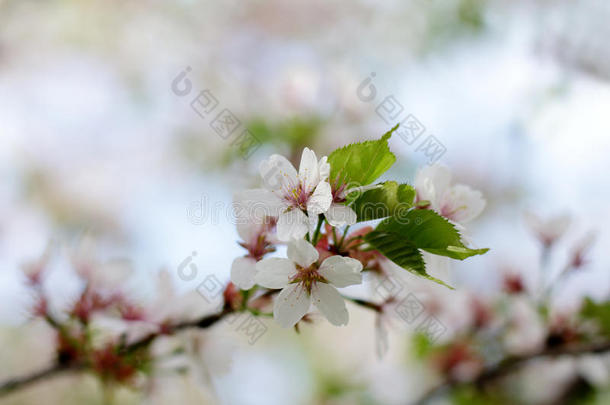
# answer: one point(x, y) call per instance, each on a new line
point(259, 246)
point(307, 277)
point(297, 197)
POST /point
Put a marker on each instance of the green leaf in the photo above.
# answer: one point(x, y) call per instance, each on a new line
point(599, 312)
point(430, 232)
point(422, 345)
point(401, 239)
point(402, 252)
point(390, 199)
point(359, 164)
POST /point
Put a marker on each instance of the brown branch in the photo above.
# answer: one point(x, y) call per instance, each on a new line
point(202, 323)
point(512, 363)
point(21, 382)
point(58, 369)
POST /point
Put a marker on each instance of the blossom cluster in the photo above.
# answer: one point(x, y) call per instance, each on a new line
point(102, 326)
point(501, 340)
point(306, 209)
point(334, 221)
point(103, 329)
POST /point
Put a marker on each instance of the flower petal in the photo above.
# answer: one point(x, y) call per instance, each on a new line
point(274, 272)
point(243, 270)
point(431, 182)
point(248, 231)
point(324, 168)
point(256, 204)
point(309, 172)
point(339, 215)
point(110, 274)
point(213, 353)
point(278, 173)
point(292, 224)
point(328, 300)
point(302, 253)
point(320, 200)
point(462, 204)
point(290, 305)
point(341, 271)
point(312, 223)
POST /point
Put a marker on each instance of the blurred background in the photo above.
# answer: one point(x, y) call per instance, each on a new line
point(99, 136)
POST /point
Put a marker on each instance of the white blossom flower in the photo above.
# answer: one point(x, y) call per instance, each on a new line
point(339, 214)
point(295, 198)
point(595, 369)
point(458, 202)
point(548, 230)
point(303, 282)
point(140, 317)
point(255, 240)
point(33, 269)
point(243, 270)
point(200, 356)
point(525, 332)
point(100, 274)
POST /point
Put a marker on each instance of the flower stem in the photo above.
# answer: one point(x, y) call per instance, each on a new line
point(364, 303)
point(316, 234)
point(257, 312)
point(343, 238)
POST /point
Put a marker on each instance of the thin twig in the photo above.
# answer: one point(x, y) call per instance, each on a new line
point(58, 369)
point(364, 303)
point(202, 323)
point(21, 382)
